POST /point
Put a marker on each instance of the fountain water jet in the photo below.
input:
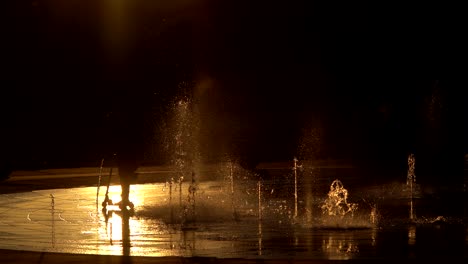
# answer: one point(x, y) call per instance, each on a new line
point(295, 185)
point(336, 203)
point(171, 182)
point(99, 183)
point(338, 211)
point(374, 215)
point(52, 211)
point(410, 180)
point(191, 198)
point(235, 214)
point(183, 138)
point(231, 179)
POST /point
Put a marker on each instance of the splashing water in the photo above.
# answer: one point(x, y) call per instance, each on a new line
point(295, 168)
point(185, 131)
point(190, 209)
point(337, 212)
point(336, 203)
point(183, 148)
point(411, 176)
point(374, 215)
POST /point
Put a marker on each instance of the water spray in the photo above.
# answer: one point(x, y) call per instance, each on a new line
point(108, 201)
point(373, 215)
point(295, 186)
point(260, 238)
point(99, 182)
point(181, 180)
point(259, 187)
point(336, 203)
point(192, 190)
point(52, 211)
point(231, 178)
point(171, 181)
point(410, 180)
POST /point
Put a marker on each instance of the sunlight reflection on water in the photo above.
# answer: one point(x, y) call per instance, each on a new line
point(70, 221)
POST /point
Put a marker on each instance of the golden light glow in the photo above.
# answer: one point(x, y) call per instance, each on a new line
point(119, 226)
point(114, 193)
point(137, 194)
point(412, 235)
point(79, 226)
point(115, 27)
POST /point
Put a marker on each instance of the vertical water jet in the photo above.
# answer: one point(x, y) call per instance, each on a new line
point(410, 180)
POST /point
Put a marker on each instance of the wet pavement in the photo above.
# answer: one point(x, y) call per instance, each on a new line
point(213, 222)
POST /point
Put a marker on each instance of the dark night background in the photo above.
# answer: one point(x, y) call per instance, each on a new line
point(376, 81)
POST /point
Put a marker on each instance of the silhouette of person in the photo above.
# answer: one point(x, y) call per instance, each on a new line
point(126, 136)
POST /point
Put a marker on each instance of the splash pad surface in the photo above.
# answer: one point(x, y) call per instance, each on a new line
point(163, 224)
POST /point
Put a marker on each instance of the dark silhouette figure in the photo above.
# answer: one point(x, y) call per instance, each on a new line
point(125, 135)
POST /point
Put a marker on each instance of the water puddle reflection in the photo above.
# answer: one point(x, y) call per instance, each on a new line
point(70, 221)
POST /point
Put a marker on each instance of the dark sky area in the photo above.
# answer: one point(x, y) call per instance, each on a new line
point(373, 81)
